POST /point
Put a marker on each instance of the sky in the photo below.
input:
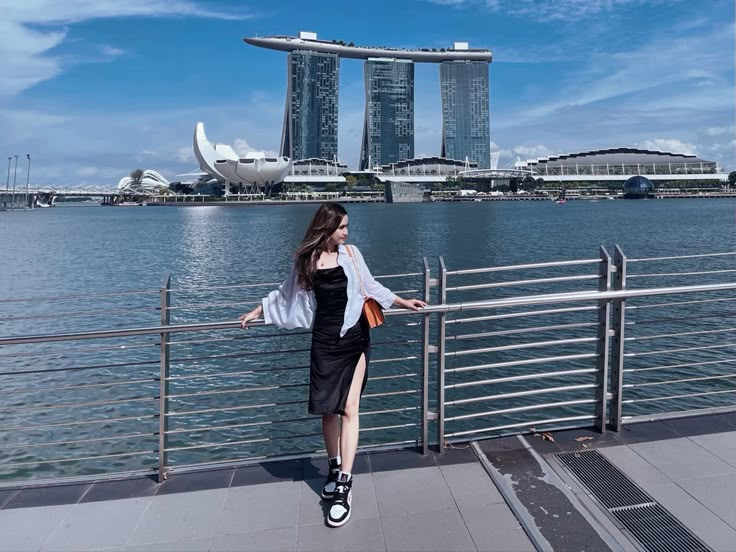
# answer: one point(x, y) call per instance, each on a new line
point(93, 89)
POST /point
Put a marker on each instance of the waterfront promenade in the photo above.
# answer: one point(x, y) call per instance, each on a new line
point(503, 494)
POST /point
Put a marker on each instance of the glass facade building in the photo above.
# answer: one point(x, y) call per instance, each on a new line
point(310, 117)
point(465, 117)
point(388, 129)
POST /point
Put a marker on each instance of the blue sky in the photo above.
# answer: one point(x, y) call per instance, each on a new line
point(95, 88)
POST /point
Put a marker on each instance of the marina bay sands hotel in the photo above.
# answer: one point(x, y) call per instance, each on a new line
point(310, 118)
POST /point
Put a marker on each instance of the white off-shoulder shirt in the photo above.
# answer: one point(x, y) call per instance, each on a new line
point(290, 306)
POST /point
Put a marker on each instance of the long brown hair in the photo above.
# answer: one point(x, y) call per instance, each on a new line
point(326, 220)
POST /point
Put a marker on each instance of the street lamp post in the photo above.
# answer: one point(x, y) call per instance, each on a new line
point(15, 174)
point(7, 183)
point(28, 178)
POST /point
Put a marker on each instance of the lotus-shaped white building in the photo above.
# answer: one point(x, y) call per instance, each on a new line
point(254, 172)
point(150, 183)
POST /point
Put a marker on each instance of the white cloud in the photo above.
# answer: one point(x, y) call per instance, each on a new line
point(31, 29)
point(717, 131)
point(672, 145)
point(531, 152)
point(242, 147)
point(554, 11)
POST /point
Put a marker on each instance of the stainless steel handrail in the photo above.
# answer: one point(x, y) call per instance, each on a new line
point(269, 391)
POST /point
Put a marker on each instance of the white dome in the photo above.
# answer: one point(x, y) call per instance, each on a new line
point(151, 183)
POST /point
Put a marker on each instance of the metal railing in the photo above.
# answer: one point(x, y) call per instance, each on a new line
point(518, 349)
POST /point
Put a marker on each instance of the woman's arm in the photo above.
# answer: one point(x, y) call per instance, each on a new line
point(288, 307)
point(381, 293)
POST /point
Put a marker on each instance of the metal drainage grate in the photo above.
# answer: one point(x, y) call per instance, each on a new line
point(653, 526)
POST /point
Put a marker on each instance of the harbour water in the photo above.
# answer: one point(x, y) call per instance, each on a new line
point(120, 256)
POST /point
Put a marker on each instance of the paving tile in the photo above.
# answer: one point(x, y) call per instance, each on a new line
point(705, 524)
point(400, 460)
point(645, 432)
point(190, 545)
point(98, 525)
point(54, 495)
point(272, 540)
point(268, 472)
point(471, 486)
point(180, 516)
point(717, 493)
point(259, 507)
point(541, 445)
point(699, 425)
point(723, 445)
point(360, 535)
point(502, 444)
point(5, 496)
point(495, 529)
point(682, 459)
point(410, 491)
point(314, 509)
point(730, 417)
point(116, 490)
point(440, 530)
point(566, 440)
point(197, 481)
point(634, 466)
point(458, 454)
point(25, 529)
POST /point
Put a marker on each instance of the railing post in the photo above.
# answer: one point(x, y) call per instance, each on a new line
point(441, 299)
point(163, 421)
point(425, 358)
point(602, 350)
point(617, 342)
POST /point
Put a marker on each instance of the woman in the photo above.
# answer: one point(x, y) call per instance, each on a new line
point(324, 292)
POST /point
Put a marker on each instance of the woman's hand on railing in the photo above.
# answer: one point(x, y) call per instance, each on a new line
point(252, 315)
point(413, 304)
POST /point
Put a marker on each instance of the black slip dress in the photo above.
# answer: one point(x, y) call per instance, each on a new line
point(333, 358)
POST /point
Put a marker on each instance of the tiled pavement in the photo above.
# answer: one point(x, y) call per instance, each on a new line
point(403, 501)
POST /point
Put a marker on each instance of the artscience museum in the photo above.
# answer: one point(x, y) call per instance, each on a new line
point(254, 173)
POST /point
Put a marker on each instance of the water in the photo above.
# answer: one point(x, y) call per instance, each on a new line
point(81, 250)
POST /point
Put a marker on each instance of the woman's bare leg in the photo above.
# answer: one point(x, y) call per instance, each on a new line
point(350, 424)
point(331, 434)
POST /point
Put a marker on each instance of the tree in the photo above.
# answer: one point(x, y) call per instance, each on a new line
point(732, 178)
point(137, 176)
point(540, 182)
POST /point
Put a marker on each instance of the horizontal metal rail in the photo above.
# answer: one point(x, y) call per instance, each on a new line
point(525, 282)
point(682, 396)
point(521, 331)
point(530, 425)
point(680, 257)
point(520, 314)
point(525, 377)
point(518, 409)
point(680, 334)
point(581, 296)
point(699, 273)
point(516, 394)
point(682, 365)
point(524, 362)
point(682, 380)
point(679, 303)
point(554, 264)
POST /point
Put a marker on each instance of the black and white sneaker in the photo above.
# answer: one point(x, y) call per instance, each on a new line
point(328, 489)
point(339, 513)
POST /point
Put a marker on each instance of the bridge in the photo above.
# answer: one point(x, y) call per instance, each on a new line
point(46, 196)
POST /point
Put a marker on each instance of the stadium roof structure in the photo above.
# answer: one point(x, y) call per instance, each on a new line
point(618, 164)
point(616, 155)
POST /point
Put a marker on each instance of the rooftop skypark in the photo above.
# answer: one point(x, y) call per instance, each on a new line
point(309, 41)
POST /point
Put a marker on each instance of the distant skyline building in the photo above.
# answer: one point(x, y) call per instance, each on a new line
point(465, 111)
point(310, 121)
point(310, 115)
point(388, 127)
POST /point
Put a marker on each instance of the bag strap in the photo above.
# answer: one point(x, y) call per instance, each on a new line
point(357, 272)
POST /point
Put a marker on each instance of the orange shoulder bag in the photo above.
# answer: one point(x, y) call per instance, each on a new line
point(371, 309)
